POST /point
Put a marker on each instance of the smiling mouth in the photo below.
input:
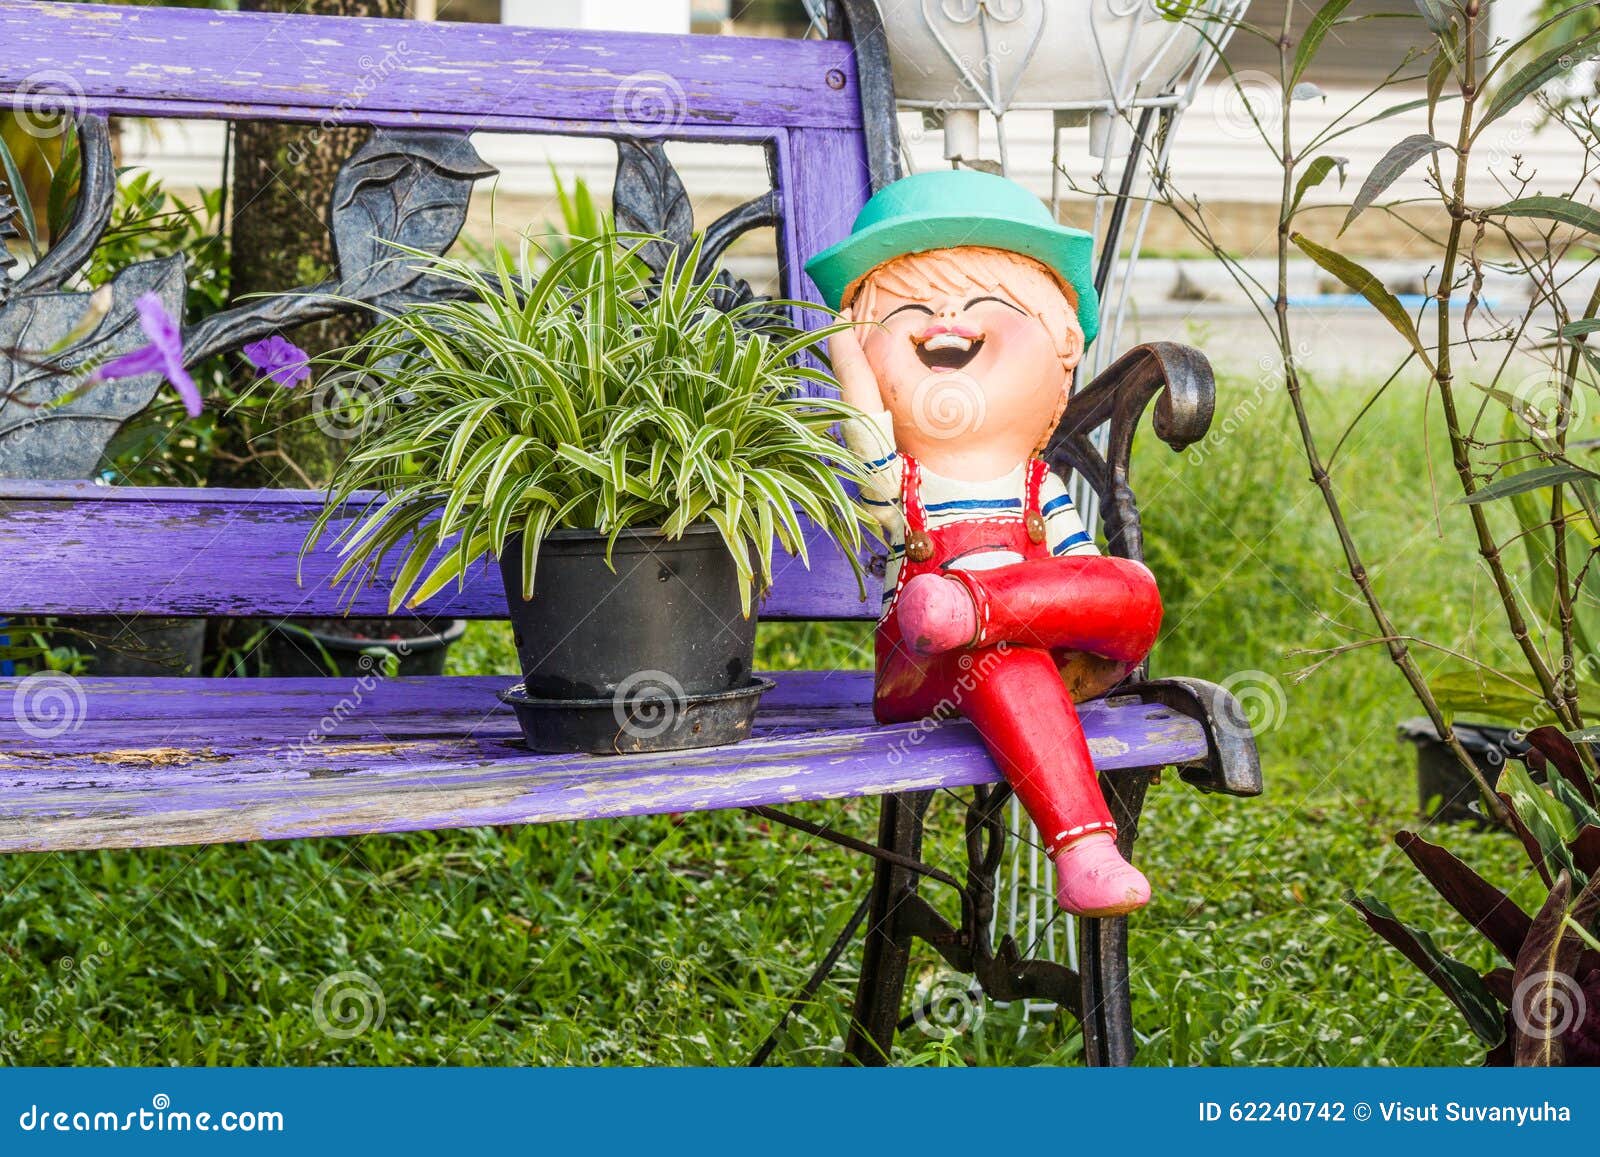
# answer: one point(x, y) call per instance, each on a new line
point(948, 351)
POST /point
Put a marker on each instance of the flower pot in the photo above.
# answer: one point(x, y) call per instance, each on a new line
point(357, 647)
point(651, 653)
point(1044, 54)
point(1445, 792)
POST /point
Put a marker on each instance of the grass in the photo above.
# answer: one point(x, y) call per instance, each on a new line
point(678, 942)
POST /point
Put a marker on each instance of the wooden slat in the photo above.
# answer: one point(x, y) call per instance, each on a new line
point(827, 182)
point(99, 550)
point(164, 62)
point(184, 761)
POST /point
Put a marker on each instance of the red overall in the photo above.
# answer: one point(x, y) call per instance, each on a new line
point(1031, 614)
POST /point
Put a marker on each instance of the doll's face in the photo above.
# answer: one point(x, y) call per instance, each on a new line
point(973, 378)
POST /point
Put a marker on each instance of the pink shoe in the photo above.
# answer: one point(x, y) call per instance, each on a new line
point(1092, 878)
point(936, 614)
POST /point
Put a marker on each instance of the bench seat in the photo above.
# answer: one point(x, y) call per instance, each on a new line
point(193, 761)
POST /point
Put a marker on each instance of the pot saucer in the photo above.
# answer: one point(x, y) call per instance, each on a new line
point(627, 724)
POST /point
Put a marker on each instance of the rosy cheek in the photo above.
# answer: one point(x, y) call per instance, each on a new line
point(1010, 328)
point(886, 355)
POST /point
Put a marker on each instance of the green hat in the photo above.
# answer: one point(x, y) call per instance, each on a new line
point(952, 207)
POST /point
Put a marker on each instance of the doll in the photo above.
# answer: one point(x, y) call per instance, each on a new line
point(971, 308)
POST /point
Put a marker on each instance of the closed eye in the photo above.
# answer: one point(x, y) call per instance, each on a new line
point(903, 308)
point(1001, 300)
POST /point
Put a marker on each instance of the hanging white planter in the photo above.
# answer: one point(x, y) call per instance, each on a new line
point(957, 58)
point(1010, 54)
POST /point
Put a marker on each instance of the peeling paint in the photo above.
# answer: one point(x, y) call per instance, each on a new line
point(149, 756)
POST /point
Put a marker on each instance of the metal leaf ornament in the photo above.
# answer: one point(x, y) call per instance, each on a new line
point(8, 232)
point(403, 190)
point(51, 425)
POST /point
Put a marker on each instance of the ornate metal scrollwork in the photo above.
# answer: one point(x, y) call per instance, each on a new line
point(407, 187)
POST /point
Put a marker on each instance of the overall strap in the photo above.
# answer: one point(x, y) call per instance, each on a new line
point(1038, 471)
point(911, 493)
point(1032, 517)
point(919, 543)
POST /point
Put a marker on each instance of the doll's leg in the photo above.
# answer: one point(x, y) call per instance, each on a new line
point(1020, 708)
point(1104, 606)
point(908, 685)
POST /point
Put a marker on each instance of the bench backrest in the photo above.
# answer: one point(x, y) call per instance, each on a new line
point(81, 549)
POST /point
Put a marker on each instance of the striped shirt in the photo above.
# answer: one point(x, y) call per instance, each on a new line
point(948, 500)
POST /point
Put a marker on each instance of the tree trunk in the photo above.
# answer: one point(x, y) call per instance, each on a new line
point(282, 183)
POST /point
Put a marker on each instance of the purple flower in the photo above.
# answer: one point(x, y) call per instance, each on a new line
point(279, 359)
point(163, 354)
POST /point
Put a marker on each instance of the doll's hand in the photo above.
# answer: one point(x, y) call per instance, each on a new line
point(857, 385)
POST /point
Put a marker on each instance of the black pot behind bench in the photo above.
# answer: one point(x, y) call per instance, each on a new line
point(653, 655)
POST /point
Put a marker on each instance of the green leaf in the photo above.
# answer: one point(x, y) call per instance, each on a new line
point(19, 192)
point(1562, 209)
point(1547, 820)
point(1312, 40)
point(1366, 283)
point(1316, 172)
point(1400, 157)
point(1580, 328)
point(1534, 75)
point(1540, 478)
point(1487, 697)
point(1435, 15)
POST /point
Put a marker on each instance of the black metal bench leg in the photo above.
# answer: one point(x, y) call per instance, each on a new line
point(1103, 947)
point(887, 955)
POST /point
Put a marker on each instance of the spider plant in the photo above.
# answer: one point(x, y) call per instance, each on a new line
point(553, 392)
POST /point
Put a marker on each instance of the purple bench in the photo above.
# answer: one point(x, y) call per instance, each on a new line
point(142, 762)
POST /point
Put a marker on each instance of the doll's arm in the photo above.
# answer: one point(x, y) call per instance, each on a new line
point(870, 437)
point(1063, 528)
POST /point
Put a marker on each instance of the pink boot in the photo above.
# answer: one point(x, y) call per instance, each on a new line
point(1092, 878)
point(936, 614)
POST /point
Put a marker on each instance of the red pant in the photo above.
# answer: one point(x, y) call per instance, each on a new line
point(1032, 613)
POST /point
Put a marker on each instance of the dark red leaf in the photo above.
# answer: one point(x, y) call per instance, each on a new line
point(1484, 906)
point(1586, 850)
point(1461, 984)
point(1563, 756)
point(1543, 980)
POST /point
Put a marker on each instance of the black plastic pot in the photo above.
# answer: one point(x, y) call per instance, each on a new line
point(651, 653)
point(357, 647)
point(1445, 792)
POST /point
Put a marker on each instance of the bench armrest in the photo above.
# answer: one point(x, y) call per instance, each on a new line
point(1231, 766)
point(1181, 375)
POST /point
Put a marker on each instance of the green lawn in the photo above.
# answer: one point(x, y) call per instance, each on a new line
point(666, 942)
